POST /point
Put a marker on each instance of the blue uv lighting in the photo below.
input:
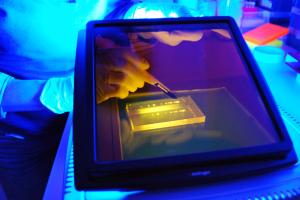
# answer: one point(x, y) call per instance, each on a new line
point(53, 32)
point(157, 10)
point(110, 195)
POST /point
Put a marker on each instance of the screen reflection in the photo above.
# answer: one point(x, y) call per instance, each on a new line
point(217, 104)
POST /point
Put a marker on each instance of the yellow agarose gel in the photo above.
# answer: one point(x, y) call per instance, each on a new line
point(163, 113)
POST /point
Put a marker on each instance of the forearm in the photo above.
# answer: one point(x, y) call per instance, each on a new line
point(23, 95)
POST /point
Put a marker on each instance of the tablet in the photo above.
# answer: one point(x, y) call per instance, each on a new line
point(223, 122)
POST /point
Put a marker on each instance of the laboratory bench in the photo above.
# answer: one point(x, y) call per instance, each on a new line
point(280, 184)
point(284, 183)
point(285, 86)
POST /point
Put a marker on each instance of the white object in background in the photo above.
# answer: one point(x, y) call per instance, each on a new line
point(231, 8)
point(146, 10)
point(298, 79)
point(269, 55)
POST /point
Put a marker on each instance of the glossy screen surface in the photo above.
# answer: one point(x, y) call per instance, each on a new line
point(218, 106)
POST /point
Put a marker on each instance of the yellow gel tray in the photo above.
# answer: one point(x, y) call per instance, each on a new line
point(163, 113)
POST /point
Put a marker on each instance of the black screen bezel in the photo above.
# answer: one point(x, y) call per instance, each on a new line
point(87, 169)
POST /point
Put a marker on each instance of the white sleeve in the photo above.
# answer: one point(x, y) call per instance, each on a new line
point(57, 94)
point(4, 79)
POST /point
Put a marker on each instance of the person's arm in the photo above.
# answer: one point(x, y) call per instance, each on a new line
point(55, 94)
point(23, 95)
point(4, 80)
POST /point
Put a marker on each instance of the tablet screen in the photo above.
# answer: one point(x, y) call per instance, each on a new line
point(218, 106)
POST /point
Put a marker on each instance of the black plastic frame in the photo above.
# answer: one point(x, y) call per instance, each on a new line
point(140, 174)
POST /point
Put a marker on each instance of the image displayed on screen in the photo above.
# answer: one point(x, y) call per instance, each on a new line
point(181, 89)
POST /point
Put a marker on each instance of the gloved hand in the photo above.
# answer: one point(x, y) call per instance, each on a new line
point(174, 38)
point(57, 94)
point(118, 72)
